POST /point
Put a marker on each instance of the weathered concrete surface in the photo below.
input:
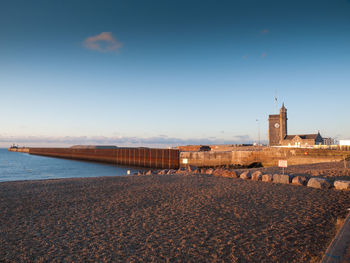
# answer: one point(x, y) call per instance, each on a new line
point(319, 183)
point(268, 156)
point(342, 185)
point(282, 178)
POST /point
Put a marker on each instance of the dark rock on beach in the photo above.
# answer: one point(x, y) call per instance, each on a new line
point(299, 180)
point(245, 175)
point(256, 176)
point(267, 178)
point(342, 185)
point(282, 178)
point(320, 183)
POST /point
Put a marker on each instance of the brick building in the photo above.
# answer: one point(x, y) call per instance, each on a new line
point(303, 140)
point(278, 134)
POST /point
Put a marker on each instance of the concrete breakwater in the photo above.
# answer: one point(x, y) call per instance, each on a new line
point(142, 157)
point(174, 158)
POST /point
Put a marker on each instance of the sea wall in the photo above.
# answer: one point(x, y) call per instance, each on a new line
point(268, 156)
point(143, 157)
point(173, 159)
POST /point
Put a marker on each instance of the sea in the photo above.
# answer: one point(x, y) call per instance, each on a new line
point(16, 166)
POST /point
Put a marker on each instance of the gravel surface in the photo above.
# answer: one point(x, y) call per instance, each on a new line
point(166, 218)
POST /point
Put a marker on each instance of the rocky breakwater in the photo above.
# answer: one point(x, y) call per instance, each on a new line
point(190, 170)
point(255, 175)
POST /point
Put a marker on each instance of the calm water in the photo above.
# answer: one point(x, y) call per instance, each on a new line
point(21, 166)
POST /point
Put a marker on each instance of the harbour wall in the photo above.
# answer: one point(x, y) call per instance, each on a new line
point(174, 158)
point(267, 156)
point(142, 157)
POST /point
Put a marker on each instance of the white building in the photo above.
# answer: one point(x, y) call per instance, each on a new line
point(344, 142)
point(328, 141)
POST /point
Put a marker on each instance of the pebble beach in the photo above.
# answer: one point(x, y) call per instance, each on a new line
point(166, 218)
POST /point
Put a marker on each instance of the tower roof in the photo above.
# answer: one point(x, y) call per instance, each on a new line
point(283, 108)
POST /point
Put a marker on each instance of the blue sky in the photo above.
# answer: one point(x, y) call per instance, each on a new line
point(162, 73)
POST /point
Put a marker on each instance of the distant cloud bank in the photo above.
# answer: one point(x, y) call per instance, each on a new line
point(156, 141)
point(104, 42)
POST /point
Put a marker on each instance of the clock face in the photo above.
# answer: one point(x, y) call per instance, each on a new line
point(277, 125)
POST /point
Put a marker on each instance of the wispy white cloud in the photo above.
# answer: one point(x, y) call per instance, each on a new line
point(156, 141)
point(104, 42)
point(243, 138)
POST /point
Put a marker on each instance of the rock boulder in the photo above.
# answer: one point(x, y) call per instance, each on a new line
point(229, 174)
point(171, 171)
point(192, 168)
point(163, 172)
point(319, 183)
point(149, 172)
point(245, 175)
point(342, 185)
point(256, 176)
point(299, 180)
point(281, 178)
point(209, 171)
point(181, 171)
point(217, 172)
point(267, 178)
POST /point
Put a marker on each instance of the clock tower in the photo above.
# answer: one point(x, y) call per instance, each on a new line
point(278, 127)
